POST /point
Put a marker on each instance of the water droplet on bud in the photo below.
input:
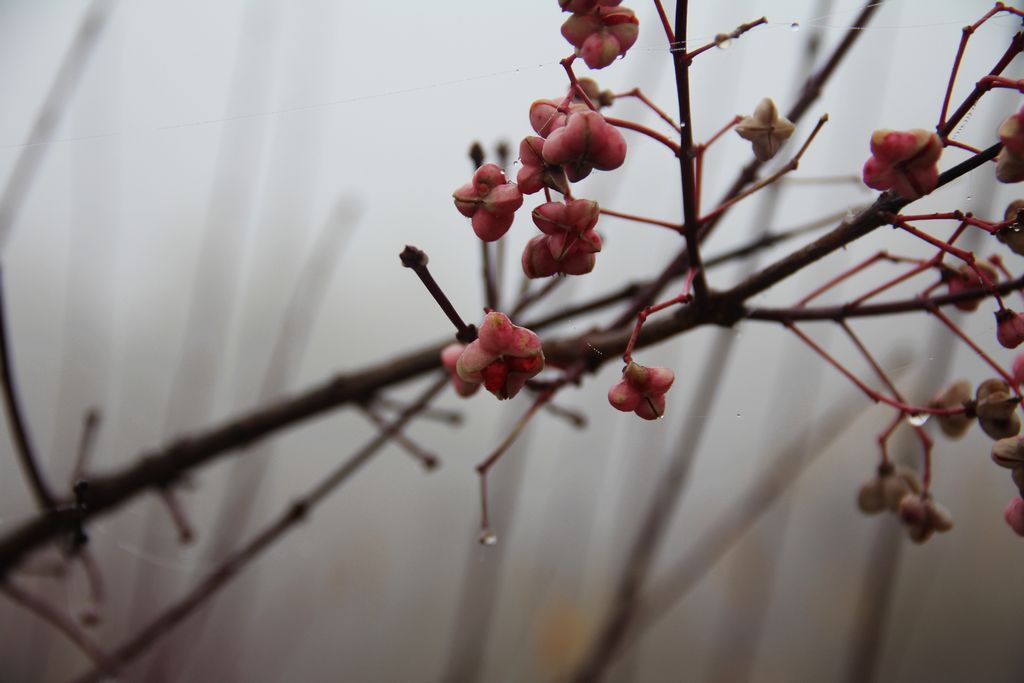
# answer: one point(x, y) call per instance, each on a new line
point(918, 419)
point(723, 41)
point(794, 27)
point(487, 537)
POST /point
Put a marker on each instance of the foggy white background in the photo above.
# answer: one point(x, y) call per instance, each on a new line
point(207, 151)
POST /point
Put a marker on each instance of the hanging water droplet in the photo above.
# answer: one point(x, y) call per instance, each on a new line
point(487, 537)
point(739, 414)
point(794, 27)
point(918, 419)
point(723, 41)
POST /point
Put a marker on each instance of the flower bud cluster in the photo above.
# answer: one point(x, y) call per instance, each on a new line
point(898, 490)
point(502, 359)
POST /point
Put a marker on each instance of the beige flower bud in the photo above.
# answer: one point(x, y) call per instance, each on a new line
point(922, 517)
point(1018, 477)
point(997, 409)
point(957, 395)
point(767, 130)
point(885, 490)
point(989, 386)
point(871, 498)
point(1013, 236)
point(1008, 452)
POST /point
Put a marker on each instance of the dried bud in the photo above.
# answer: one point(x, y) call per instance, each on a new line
point(767, 130)
point(955, 395)
point(1009, 328)
point(600, 98)
point(903, 161)
point(1018, 477)
point(922, 517)
point(886, 489)
point(1010, 160)
point(996, 409)
point(1008, 452)
point(1014, 515)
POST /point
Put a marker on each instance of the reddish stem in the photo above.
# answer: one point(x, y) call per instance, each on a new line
point(642, 219)
point(875, 396)
point(637, 93)
point(644, 130)
point(934, 310)
point(665, 24)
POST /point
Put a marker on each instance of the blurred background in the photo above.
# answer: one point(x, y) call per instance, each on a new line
point(203, 207)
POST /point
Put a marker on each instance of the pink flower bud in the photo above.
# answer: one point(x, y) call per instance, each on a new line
point(569, 225)
point(1009, 328)
point(535, 174)
point(767, 130)
point(1018, 368)
point(538, 260)
point(584, 6)
point(966, 279)
point(1014, 515)
point(490, 201)
point(503, 357)
point(602, 34)
point(642, 391)
point(546, 118)
point(903, 161)
point(449, 358)
point(586, 142)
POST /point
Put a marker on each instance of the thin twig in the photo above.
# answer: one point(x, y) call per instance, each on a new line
point(296, 512)
point(63, 623)
point(15, 417)
point(86, 444)
point(50, 113)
